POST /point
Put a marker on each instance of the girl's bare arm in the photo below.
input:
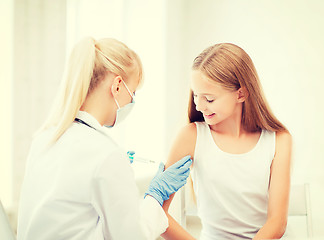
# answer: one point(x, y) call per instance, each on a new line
point(183, 145)
point(279, 188)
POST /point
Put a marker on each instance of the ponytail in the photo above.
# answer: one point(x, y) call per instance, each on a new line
point(88, 64)
point(73, 89)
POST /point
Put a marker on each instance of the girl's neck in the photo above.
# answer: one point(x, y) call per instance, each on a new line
point(231, 126)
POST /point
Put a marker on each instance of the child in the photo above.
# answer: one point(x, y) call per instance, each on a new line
point(242, 153)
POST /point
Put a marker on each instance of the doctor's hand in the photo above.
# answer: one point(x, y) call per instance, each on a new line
point(169, 181)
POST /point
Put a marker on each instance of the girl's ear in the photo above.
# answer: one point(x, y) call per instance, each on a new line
point(115, 87)
point(242, 94)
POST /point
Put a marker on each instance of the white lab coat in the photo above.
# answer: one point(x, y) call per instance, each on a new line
point(82, 188)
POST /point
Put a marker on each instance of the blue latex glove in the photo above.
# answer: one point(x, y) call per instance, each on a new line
point(169, 181)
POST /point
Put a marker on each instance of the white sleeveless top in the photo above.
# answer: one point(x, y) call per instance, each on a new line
point(231, 189)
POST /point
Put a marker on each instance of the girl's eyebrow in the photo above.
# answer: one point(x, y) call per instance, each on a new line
point(205, 94)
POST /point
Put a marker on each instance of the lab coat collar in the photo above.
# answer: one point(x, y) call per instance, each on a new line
point(89, 119)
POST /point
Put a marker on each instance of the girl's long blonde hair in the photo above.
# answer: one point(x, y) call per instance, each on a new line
point(230, 66)
point(87, 66)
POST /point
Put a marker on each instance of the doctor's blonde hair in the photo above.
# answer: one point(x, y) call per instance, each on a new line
point(87, 66)
point(232, 68)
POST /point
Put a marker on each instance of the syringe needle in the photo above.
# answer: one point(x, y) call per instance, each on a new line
point(140, 159)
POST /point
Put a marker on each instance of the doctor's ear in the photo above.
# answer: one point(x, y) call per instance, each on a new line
point(115, 87)
point(242, 94)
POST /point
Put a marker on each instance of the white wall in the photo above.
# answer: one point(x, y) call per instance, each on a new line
point(140, 24)
point(6, 49)
point(38, 58)
point(144, 130)
point(285, 41)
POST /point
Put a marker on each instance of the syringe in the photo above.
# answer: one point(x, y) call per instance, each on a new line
point(132, 158)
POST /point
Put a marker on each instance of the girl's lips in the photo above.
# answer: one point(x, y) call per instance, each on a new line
point(209, 116)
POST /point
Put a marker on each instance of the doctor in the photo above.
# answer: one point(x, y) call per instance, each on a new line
point(78, 183)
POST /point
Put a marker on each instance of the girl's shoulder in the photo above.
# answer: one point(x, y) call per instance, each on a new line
point(283, 136)
point(184, 144)
point(283, 141)
point(189, 130)
point(187, 136)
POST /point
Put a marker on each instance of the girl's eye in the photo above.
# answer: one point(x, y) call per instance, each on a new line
point(208, 100)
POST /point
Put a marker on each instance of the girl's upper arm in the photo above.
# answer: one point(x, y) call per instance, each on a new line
point(280, 178)
point(183, 145)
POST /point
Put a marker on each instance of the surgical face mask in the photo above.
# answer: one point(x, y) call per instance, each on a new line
point(122, 112)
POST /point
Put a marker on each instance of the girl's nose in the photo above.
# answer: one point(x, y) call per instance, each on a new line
point(200, 105)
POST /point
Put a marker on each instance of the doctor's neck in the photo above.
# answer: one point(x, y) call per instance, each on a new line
point(100, 105)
